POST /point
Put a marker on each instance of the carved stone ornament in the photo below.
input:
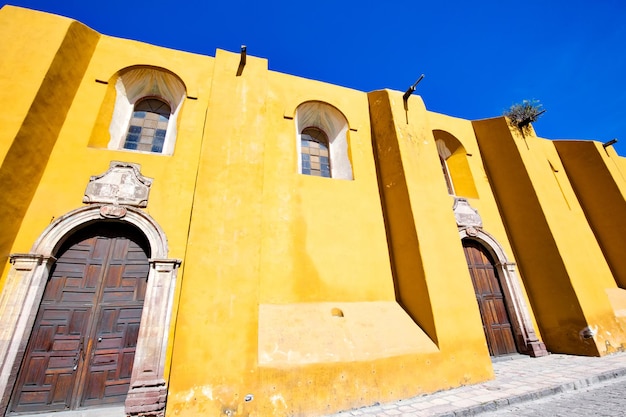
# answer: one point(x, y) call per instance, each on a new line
point(465, 215)
point(471, 231)
point(111, 211)
point(122, 184)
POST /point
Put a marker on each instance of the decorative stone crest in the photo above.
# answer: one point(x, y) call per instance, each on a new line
point(465, 215)
point(111, 211)
point(121, 184)
point(471, 231)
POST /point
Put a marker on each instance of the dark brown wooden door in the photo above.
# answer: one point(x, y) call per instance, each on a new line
point(82, 346)
point(491, 303)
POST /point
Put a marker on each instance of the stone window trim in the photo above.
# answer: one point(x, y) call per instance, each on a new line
point(523, 329)
point(25, 285)
point(139, 83)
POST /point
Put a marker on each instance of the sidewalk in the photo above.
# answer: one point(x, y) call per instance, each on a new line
point(517, 380)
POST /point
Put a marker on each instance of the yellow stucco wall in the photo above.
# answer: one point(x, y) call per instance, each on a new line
point(70, 162)
point(480, 195)
point(311, 294)
point(55, 54)
point(273, 255)
point(553, 242)
point(600, 187)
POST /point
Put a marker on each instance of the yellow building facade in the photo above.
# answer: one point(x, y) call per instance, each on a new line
point(191, 235)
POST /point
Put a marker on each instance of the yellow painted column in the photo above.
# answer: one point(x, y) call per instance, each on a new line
point(214, 354)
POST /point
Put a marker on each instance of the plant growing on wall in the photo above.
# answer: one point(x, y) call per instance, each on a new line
point(524, 113)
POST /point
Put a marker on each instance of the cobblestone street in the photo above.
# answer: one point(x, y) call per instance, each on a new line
point(604, 399)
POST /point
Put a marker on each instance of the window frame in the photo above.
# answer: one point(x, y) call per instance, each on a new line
point(446, 174)
point(321, 138)
point(154, 137)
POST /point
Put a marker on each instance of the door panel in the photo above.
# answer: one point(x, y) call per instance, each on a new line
point(83, 342)
point(48, 373)
point(491, 303)
point(112, 356)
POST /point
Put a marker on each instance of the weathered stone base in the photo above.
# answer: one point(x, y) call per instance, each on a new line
point(147, 399)
point(536, 349)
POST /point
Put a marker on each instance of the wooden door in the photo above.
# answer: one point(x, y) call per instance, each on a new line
point(82, 346)
point(491, 303)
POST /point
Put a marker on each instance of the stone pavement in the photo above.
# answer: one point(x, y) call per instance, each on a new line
point(606, 399)
point(517, 380)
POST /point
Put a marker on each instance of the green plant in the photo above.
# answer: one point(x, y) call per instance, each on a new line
point(524, 113)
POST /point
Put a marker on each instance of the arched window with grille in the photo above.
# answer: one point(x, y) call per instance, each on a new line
point(314, 152)
point(148, 125)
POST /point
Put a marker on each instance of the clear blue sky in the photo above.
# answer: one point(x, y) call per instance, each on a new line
point(478, 57)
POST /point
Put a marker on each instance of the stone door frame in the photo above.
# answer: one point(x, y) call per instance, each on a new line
point(25, 285)
point(523, 330)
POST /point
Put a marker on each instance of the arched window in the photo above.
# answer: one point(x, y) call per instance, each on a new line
point(148, 125)
point(455, 166)
point(314, 151)
point(147, 103)
point(322, 132)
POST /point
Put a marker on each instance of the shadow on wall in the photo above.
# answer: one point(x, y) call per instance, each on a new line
point(31, 147)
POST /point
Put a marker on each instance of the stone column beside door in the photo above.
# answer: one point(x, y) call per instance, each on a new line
point(148, 388)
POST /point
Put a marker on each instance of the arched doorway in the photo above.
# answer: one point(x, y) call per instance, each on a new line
point(490, 298)
point(26, 284)
point(83, 341)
